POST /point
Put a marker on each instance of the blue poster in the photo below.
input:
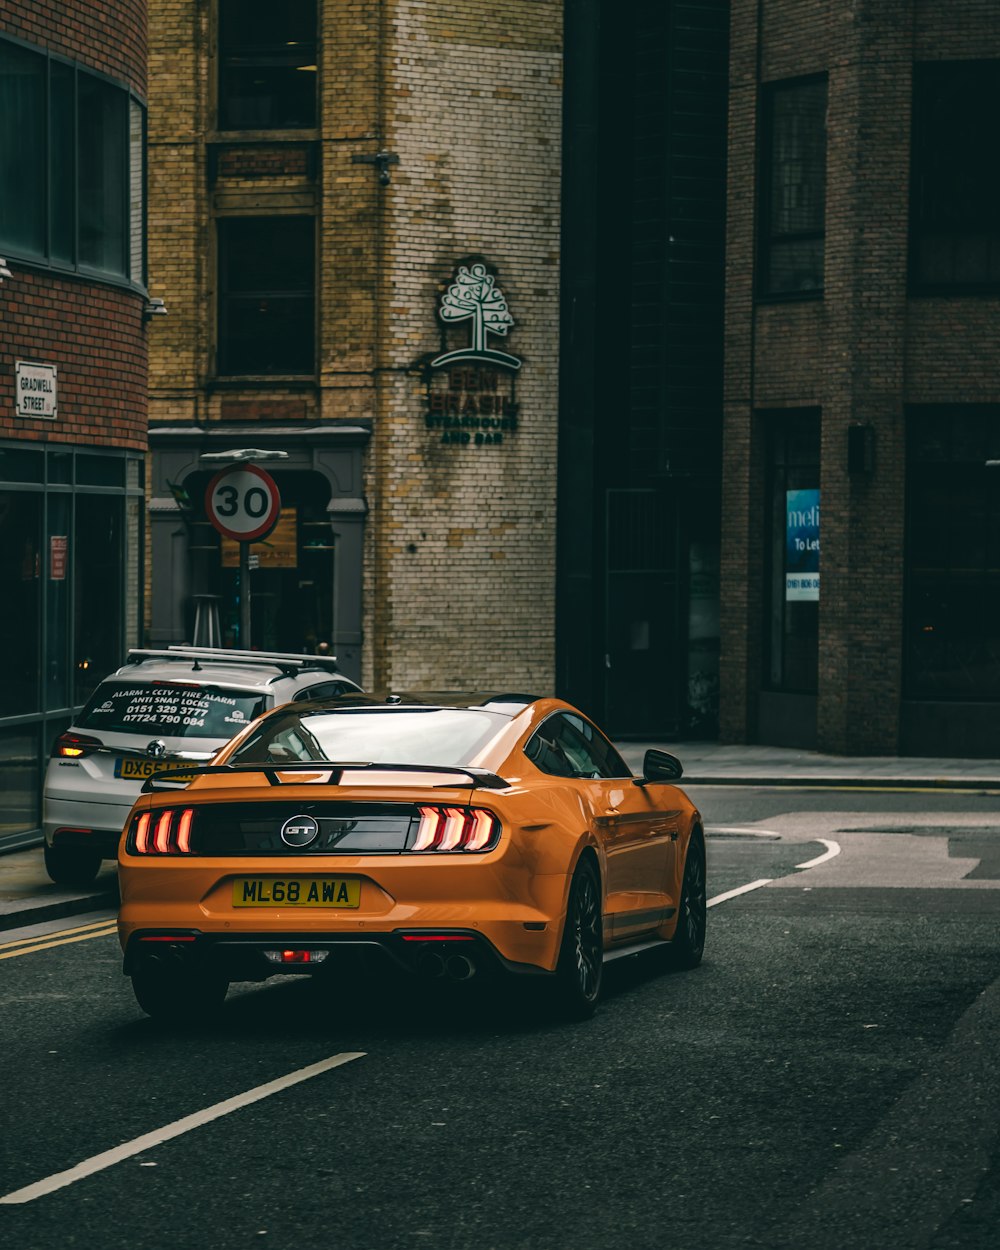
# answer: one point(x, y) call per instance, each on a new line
point(801, 544)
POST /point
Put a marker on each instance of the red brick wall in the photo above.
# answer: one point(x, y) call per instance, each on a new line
point(93, 333)
point(106, 35)
point(95, 336)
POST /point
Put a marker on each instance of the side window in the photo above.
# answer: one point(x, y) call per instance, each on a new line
point(606, 759)
point(568, 746)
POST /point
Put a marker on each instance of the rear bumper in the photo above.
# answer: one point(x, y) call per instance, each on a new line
point(516, 912)
point(72, 822)
point(438, 953)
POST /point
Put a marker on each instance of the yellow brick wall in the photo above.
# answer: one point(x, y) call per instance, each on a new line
point(459, 577)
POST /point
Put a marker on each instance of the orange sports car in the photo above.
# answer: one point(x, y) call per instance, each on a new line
point(457, 837)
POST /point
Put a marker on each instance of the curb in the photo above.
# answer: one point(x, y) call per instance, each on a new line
point(841, 782)
point(18, 913)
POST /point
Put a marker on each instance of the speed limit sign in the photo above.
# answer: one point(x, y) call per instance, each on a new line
point(243, 503)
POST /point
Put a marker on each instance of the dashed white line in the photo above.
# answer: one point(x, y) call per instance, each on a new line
point(107, 1159)
point(743, 889)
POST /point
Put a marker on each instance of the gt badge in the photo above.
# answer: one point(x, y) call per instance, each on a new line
point(299, 831)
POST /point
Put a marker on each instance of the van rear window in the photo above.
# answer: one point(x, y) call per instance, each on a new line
point(170, 709)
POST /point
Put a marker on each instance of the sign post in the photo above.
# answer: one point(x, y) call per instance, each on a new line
point(243, 503)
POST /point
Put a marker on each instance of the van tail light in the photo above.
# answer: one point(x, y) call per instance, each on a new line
point(74, 746)
point(166, 831)
point(456, 829)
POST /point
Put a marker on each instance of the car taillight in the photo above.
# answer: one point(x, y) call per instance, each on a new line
point(165, 831)
point(74, 746)
point(456, 829)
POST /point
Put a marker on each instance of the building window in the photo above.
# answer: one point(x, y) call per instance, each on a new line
point(954, 227)
point(952, 615)
point(72, 171)
point(266, 295)
point(792, 196)
point(791, 600)
point(267, 64)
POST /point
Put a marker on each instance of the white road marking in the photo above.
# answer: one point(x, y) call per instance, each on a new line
point(97, 1163)
point(721, 898)
point(832, 849)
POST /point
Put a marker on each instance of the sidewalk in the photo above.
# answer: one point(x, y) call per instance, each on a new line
point(27, 896)
point(708, 763)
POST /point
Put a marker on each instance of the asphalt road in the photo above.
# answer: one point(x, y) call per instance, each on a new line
point(827, 1078)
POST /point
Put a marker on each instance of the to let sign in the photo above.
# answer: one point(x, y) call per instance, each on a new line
point(35, 388)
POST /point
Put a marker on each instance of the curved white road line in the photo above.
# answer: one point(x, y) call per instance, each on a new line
point(832, 850)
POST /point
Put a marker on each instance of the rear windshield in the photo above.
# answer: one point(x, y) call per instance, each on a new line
point(170, 709)
point(450, 737)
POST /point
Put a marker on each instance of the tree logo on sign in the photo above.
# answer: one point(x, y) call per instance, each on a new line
point(474, 296)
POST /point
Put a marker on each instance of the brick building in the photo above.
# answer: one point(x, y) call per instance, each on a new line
point(354, 222)
point(72, 369)
point(862, 299)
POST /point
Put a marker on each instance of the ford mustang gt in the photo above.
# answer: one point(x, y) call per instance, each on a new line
point(454, 836)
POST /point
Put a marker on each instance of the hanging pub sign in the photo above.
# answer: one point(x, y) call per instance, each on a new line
point(471, 394)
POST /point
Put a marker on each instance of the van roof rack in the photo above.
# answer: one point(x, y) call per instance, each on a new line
point(286, 662)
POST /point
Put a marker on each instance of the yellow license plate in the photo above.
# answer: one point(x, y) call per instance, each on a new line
point(297, 892)
point(136, 769)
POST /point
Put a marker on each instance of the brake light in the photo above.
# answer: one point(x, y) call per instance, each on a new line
point(167, 832)
point(456, 829)
point(74, 746)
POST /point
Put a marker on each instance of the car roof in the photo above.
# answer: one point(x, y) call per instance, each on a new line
point(246, 670)
point(505, 704)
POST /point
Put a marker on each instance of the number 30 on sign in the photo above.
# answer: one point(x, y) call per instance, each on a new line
point(243, 503)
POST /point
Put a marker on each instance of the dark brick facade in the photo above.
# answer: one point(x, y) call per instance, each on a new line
point(859, 355)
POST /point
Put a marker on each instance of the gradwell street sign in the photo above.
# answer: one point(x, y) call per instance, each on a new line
point(35, 389)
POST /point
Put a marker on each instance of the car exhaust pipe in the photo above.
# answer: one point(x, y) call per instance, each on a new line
point(460, 968)
point(430, 965)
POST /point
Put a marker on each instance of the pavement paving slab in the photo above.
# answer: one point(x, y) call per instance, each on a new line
point(27, 896)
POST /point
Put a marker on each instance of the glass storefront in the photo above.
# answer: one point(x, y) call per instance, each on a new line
point(70, 569)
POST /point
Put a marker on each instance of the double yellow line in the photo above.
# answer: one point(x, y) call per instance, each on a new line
point(28, 946)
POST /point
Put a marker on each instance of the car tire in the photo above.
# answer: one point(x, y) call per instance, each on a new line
point(178, 995)
point(581, 953)
point(72, 865)
point(688, 942)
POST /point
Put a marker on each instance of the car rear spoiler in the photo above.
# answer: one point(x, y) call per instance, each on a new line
point(170, 778)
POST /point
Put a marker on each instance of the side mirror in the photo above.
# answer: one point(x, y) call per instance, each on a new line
point(660, 766)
